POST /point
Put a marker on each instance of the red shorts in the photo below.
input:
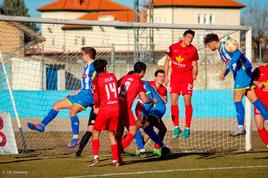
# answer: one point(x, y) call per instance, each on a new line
point(181, 84)
point(127, 118)
point(264, 99)
point(107, 120)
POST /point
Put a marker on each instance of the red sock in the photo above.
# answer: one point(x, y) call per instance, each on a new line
point(175, 115)
point(188, 115)
point(127, 140)
point(266, 132)
point(263, 135)
point(95, 147)
point(114, 149)
point(156, 146)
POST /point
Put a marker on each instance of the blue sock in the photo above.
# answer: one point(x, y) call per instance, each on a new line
point(75, 125)
point(263, 110)
point(240, 112)
point(49, 117)
point(139, 139)
point(150, 131)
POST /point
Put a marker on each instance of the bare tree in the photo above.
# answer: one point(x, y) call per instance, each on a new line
point(256, 16)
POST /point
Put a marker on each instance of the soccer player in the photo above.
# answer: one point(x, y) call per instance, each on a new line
point(157, 85)
point(76, 101)
point(130, 86)
point(183, 56)
point(152, 117)
point(106, 106)
point(241, 69)
point(87, 134)
point(260, 79)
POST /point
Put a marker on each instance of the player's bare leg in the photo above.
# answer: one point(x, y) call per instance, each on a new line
point(188, 115)
point(95, 148)
point(175, 114)
point(40, 127)
point(75, 124)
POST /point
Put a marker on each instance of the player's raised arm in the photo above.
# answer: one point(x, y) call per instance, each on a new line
point(236, 56)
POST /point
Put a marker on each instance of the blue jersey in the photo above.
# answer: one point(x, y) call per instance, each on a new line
point(235, 61)
point(159, 108)
point(88, 75)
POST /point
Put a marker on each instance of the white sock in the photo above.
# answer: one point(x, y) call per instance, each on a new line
point(75, 136)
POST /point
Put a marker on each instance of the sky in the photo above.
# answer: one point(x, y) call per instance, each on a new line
point(32, 5)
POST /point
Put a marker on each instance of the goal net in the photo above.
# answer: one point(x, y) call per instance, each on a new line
point(47, 66)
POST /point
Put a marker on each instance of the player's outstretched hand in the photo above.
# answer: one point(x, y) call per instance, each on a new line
point(221, 76)
point(154, 100)
point(260, 85)
point(96, 111)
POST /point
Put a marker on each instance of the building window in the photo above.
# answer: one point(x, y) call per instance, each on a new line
point(75, 41)
point(51, 77)
point(205, 19)
point(53, 42)
point(83, 41)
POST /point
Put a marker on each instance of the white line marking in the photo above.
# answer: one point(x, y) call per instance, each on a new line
point(170, 170)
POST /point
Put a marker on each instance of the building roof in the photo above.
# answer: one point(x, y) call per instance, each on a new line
point(123, 16)
point(83, 5)
point(198, 3)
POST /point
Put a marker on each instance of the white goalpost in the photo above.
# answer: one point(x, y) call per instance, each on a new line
point(36, 74)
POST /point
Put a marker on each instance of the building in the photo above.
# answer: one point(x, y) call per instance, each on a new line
point(70, 38)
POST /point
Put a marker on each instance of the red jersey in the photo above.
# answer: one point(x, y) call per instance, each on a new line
point(105, 91)
point(162, 90)
point(130, 85)
point(182, 57)
point(261, 75)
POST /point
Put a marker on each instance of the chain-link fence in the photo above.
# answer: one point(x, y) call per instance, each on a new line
point(49, 67)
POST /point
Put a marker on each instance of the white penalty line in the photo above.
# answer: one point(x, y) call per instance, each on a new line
point(169, 170)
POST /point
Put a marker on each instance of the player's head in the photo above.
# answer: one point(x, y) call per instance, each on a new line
point(159, 76)
point(212, 41)
point(188, 37)
point(100, 65)
point(140, 68)
point(88, 53)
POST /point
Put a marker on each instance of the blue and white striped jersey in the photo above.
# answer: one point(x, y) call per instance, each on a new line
point(88, 75)
point(235, 60)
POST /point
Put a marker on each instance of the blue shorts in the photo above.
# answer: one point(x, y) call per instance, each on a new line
point(156, 111)
point(243, 79)
point(84, 98)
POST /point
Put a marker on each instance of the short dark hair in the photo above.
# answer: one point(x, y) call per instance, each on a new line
point(2, 11)
point(159, 71)
point(99, 65)
point(210, 37)
point(139, 67)
point(189, 32)
point(91, 51)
